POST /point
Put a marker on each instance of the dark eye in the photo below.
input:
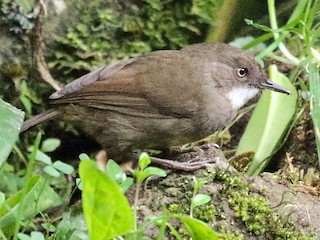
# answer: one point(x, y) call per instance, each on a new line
point(242, 72)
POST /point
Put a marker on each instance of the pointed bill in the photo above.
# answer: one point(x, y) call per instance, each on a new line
point(273, 86)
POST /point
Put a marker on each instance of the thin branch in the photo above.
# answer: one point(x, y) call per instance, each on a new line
point(37, 48)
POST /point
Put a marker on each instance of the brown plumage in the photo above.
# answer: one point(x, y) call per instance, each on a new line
point(161, 99)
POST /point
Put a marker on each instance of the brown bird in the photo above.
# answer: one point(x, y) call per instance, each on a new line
point(161, 99)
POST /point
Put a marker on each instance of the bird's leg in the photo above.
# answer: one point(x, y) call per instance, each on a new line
point(182, 150)
point(183, 166)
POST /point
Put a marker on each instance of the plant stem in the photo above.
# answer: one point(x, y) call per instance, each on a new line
point(20, 154)
point(135, 205)
point(195, 190)
point(274, 26)
point(25, 188)
point(3, 237)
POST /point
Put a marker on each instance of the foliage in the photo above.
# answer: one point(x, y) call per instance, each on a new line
point(198, 199)
point(108, 213)
point(106, 210)
point(53, 169)
point(18, 15)
point(11, 120)
point(129, 29)
point(255, 213)
point(104, 33)
point(116, 174)
point(300, 35)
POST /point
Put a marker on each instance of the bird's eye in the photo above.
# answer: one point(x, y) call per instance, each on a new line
point(242, 72)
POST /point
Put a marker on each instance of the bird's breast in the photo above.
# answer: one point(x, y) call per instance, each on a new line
point(239, 96)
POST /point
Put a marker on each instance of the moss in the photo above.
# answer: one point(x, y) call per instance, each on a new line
point(178, 209)
point(108, 31)
point(206, 213)
point(236, 205)
point(254, 212)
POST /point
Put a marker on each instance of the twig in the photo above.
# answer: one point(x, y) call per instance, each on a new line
point(37, 48)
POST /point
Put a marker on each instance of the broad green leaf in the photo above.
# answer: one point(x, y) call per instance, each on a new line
point(114, 171)
point(50, 144)
point(33, 236)
point(37, 235)
point(144, 160)
point(50, 170)
point(23, 236)
point(126, 184)
point(11, 120)
point(269, 122)
point(197, 229)
point(155, 171)
point(42, 157)
point(315, 103)
point(40, 196)
point(48, 227)
point(200, 199)
point(84, 156)
point(106, 209)
point(63, 167)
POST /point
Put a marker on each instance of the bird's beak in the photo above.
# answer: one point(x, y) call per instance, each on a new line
point(273, 86)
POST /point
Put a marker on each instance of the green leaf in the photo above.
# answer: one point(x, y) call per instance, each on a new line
point(79, 183)
point(26, 103)
point(197, 229)
point(72, 225)
point(258, 26)
point(144, 160)
point(23, 236)
point(48, 227)
point(50, 144)
point(2, 198)
point(11, 120)
point(200, 199)
point(140, 176)
point(269, 122)
point(106, 209)
point(84, 156)
point(63, 167)
point(42, 157)
point(155, 171)
point(126, 184)
point(315, 103)
point(114, 171)
point(40, 196)
point(34, 236)
point(50, 170)
point(37, 235)
point(26, 4)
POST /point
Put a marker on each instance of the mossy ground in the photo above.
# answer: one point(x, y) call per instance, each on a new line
point(241, 207)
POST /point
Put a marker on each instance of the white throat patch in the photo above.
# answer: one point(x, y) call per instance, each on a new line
point(240, 95)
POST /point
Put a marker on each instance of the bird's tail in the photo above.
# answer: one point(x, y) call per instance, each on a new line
point(42, 117)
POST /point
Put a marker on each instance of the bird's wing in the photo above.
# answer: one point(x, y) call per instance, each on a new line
point(153, 85)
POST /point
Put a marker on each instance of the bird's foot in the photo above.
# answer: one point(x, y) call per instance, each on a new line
point(182, 150)
point(190, 166)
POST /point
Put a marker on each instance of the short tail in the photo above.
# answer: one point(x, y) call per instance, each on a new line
point(42, 117)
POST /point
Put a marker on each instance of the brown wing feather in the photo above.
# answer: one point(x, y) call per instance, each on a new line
point(149, 85)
